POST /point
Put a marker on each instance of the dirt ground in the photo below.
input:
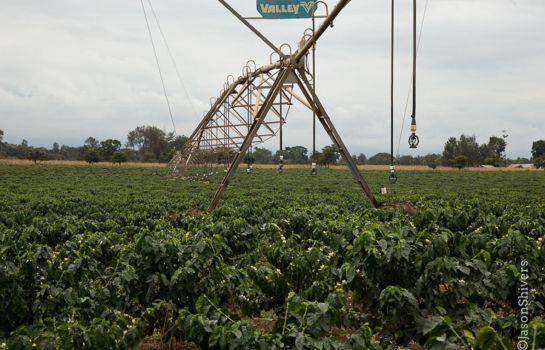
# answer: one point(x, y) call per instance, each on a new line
point(262, 166)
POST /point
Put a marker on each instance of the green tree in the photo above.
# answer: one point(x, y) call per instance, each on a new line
point(91, 156)
point(362, 159)
point(263, 156)
point(539, 162)
point(177, 142)
point(466, 146)
point(56, 148)
point(431, 160)
point(497, 146)
point(460, 162)
point(538, 149)
point(494, 152)
point(293, 155)
point(91, 142)
point(1, 142)
point(329, 155)
point(36, 155)
point(223, 155)
point(71, 153)
point(450, 151)
point(469, 148)
point(149, 139)
point(174, 144)
point(249, 158)
point(119, 157)
point(380, 159)
point(148, 157)
point(108, 148)
point(407, 160)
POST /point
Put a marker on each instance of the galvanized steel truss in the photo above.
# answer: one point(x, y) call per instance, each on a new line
point(253, 108)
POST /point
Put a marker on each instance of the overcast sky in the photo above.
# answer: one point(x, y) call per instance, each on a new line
point(70, 69)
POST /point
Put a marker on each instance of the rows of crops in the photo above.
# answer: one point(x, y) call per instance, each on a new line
point(96, 258)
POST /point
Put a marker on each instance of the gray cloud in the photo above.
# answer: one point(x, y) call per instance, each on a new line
point(72, 69)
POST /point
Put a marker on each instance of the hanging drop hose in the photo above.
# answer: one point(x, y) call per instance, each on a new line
point(414, 141)
point(393, 175)
point(422, 22)
point(314, 169)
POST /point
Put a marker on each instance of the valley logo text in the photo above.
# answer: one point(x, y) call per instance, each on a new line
point(286, 9)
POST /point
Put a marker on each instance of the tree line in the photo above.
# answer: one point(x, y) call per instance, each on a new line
point(151, 144)
point(144, 144)
point(465, 151)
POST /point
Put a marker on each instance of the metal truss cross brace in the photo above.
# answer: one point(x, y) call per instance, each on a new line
point(258, 121)
point(324, 119)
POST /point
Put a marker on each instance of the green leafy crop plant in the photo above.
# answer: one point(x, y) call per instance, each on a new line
point(97, 258)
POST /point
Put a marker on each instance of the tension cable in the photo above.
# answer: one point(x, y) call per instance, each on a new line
point(393, 175)
point(178, 74)
point(158, 66)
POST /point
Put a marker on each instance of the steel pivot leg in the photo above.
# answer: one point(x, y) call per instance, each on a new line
point(258, 121)
point(326, 122)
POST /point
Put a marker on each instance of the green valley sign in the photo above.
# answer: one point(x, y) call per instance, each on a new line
point(286, 9)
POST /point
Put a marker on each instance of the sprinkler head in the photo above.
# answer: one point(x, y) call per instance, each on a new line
point(414, 141)
point(393, 176)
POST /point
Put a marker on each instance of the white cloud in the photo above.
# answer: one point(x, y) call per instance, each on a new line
point(72, 69)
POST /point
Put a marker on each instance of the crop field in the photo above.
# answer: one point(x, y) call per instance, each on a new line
point(110, 257)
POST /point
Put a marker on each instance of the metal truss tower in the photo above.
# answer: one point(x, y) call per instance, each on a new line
point(253, 108)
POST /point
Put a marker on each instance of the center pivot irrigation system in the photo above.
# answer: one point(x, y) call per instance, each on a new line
point(254, 107)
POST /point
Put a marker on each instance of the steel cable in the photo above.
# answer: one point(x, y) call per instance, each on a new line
point(178, 74)
point(158, 66)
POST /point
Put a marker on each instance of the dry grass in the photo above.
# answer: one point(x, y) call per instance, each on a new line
point(262, 166)
point(387, 167)
point(78, 163)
